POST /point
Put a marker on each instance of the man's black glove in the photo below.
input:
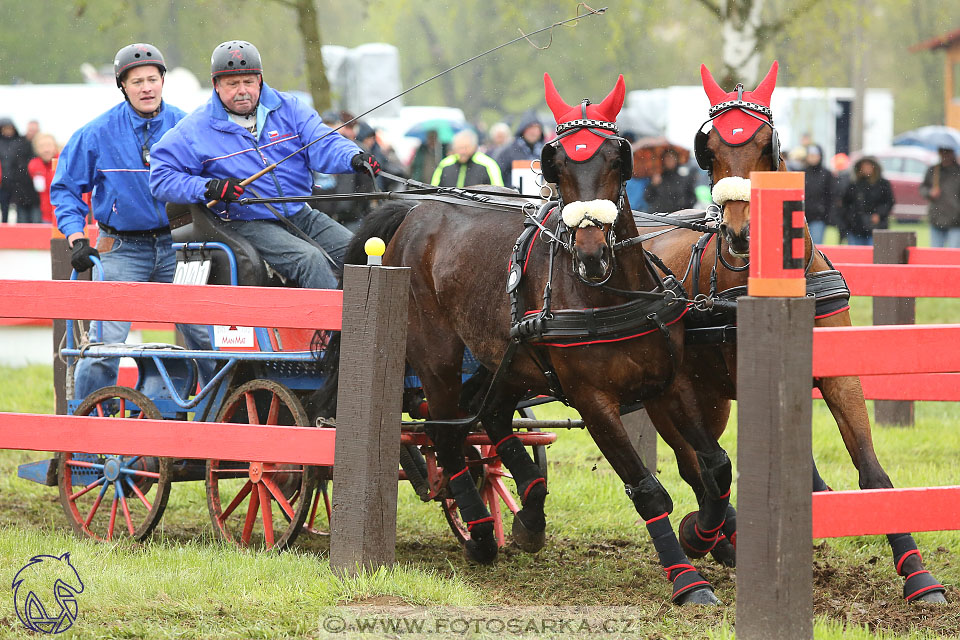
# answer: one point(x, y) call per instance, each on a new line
point(224, 190)
point(82, 254)
point(365, 161)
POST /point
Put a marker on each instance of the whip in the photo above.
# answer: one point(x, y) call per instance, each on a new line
point(524, 36)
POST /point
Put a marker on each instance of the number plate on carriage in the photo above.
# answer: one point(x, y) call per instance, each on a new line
point(234, 338)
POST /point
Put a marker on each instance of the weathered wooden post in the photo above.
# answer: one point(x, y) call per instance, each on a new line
point(60, 269)
point(373, 350)
point(774, 352)
point(891, 247)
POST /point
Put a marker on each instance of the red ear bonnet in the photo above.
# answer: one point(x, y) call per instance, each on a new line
point(736, 127)
point(582, 144)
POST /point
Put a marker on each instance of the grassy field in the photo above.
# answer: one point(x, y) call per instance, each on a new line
point(183, 584)
point(598, 563)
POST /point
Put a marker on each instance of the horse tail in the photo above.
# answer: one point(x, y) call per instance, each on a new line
point(382, 223)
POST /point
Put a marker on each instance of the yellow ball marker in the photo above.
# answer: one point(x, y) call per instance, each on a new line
point(374, 248)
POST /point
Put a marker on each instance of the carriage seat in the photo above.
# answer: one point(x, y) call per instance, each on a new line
point(196, 223)
point(687, 215)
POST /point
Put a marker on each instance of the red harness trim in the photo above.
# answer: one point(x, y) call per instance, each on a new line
point(833, 313)
point(637, 335)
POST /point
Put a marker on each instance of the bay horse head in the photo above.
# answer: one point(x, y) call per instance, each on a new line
point(742, 139)
point(590, 164)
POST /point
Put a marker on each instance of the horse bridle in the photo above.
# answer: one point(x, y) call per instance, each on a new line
point(548, 170)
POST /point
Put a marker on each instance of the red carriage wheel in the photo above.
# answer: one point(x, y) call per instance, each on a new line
point(109, 496)
point(260, 503)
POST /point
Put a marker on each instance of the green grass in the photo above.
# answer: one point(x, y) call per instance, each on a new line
point(181, 583)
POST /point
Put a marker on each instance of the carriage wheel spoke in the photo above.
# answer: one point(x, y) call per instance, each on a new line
point(252, 416)
point(113, 518)
point(274, 411)
point(96, 505)
point(92, 485)
point(251, 517)
point(266, 510)
point(139, 494)
point(140, 473)
point(85, 464)
point(100, 409)
point(278, 495)
point(236, 501)
point(123, 408)
point(126, 510)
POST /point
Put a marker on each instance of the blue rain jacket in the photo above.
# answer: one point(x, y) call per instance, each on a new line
point(105, 156)
point(207, 144)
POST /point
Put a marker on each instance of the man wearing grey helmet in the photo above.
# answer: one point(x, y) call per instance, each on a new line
point(109, 157)
point(245, 126)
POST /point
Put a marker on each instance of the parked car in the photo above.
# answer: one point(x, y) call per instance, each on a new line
point(904, 166)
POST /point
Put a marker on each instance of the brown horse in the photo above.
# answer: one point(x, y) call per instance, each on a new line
point(608, 332)
point(709, 372)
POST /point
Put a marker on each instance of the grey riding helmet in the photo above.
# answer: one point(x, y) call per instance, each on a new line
point(137, 55)
point(235, 57)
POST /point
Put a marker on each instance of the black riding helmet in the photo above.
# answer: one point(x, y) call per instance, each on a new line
point(136, 55)
point(235, 57)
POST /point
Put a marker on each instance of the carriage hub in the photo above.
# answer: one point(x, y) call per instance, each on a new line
point(256, 471)
point(111, 469)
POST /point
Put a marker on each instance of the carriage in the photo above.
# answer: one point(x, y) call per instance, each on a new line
point(263, 376)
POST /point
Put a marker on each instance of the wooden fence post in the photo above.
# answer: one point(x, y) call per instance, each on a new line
point(60, 269)
point(373, 353)
point(774, 505)
point(775, 352)
point(890, 247)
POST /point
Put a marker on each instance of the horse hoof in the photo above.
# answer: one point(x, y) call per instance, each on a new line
point(703, 596)
point(933, 597)
point(528, 540)
point(481, 548)
point(688, 537)
point(725, 553)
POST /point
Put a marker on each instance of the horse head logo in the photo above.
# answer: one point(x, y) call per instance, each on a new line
point(47, 581)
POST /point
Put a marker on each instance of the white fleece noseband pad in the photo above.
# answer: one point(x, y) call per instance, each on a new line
point(731, 189)
point(582, 214)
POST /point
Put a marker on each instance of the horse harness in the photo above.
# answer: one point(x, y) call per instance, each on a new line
point(647, 312)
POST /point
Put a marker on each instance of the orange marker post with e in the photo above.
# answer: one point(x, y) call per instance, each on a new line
point(777, 225)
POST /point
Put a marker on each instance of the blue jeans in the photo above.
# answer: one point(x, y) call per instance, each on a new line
point(817, 227)
point(857, 239)
point(293, 257)
point(949, 238)
point(133, 259)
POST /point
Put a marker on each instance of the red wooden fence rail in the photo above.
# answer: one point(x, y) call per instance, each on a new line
point(167, 438)
point(207, 304)
point(838, 514)
point(850, 254)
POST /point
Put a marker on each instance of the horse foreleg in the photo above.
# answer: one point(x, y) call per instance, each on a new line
point(482, 545)
point(529, 523)
point(601, 413)
point(697, 417)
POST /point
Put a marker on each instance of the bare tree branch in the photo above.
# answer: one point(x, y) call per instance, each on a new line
point(712, 7)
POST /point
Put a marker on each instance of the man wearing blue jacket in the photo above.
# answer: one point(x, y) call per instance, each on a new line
point(245, 127)
point(110, 157)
